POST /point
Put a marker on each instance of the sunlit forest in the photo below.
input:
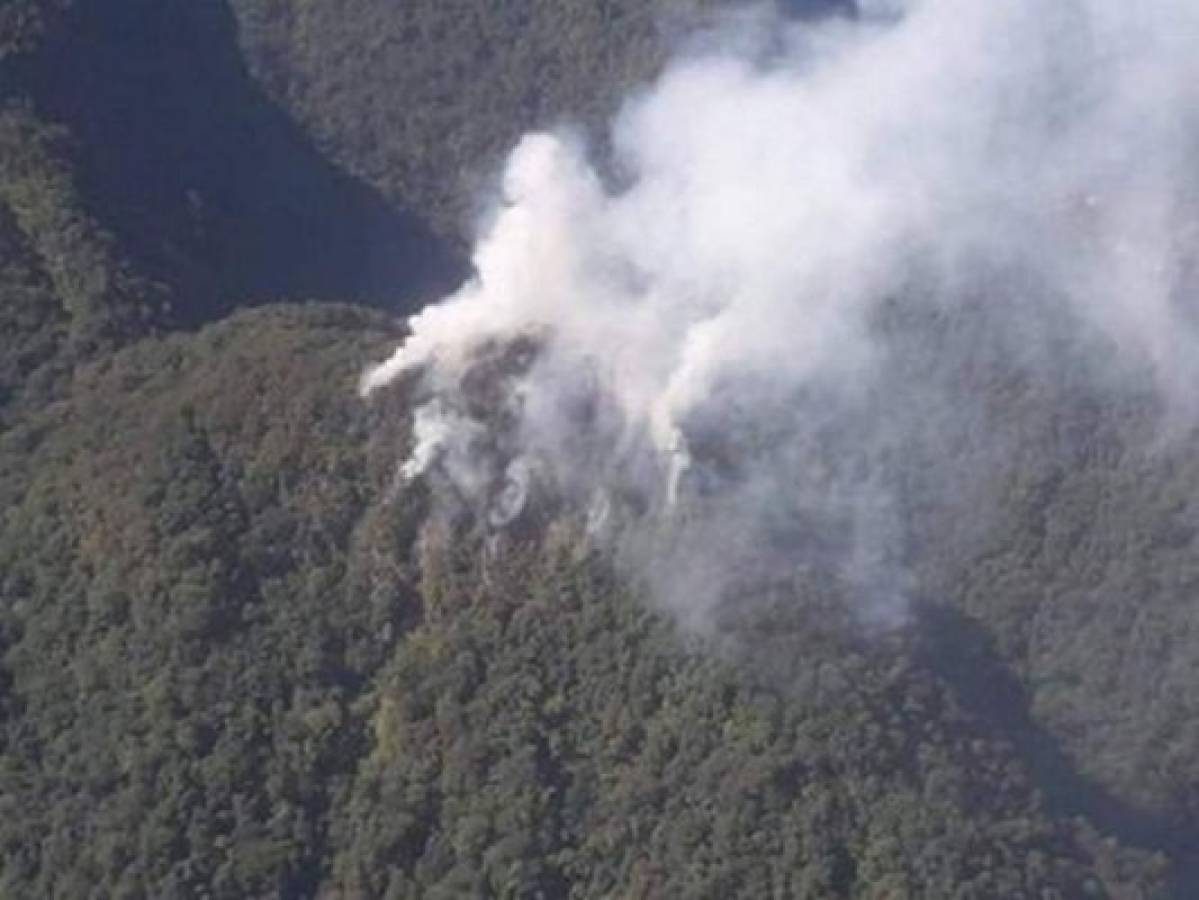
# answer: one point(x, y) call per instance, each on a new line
point(239, 658)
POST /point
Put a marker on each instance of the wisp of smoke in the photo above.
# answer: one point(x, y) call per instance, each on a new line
point(758, 339)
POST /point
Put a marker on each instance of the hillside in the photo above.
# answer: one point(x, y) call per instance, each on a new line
point(239, 657)
point(228, 668)
point(429, 127)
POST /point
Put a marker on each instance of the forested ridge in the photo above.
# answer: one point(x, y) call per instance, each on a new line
point(239, 659)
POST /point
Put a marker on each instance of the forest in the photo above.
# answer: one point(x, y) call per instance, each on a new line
point(239, 659)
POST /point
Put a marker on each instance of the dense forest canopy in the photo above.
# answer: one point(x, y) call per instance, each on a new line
point(240, 657)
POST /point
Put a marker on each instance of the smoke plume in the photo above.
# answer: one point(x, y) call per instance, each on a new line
point(777, 338)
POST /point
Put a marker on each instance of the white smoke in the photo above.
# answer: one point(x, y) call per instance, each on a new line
point(740, 343)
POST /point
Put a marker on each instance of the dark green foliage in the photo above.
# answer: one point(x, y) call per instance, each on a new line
point(542, 734)
point(23, 23)
point(97, 292)
point(231, 666)
point(185, 613)
point(33, 324)
point(203, 183)
point(224, 673)
point(422, 99)
point(237, 660)
point(67, 293)
point(1090, 590)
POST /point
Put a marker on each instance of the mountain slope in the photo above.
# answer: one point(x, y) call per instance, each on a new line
point(200, 180)
point(229, 665)
point(237, 657)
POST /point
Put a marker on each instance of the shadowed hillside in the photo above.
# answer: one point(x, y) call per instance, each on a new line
point(423, 99)
point(241, 657)
point(203, 183)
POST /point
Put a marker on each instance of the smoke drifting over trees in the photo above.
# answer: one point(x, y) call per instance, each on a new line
point(757, 335)
point(847, 323)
